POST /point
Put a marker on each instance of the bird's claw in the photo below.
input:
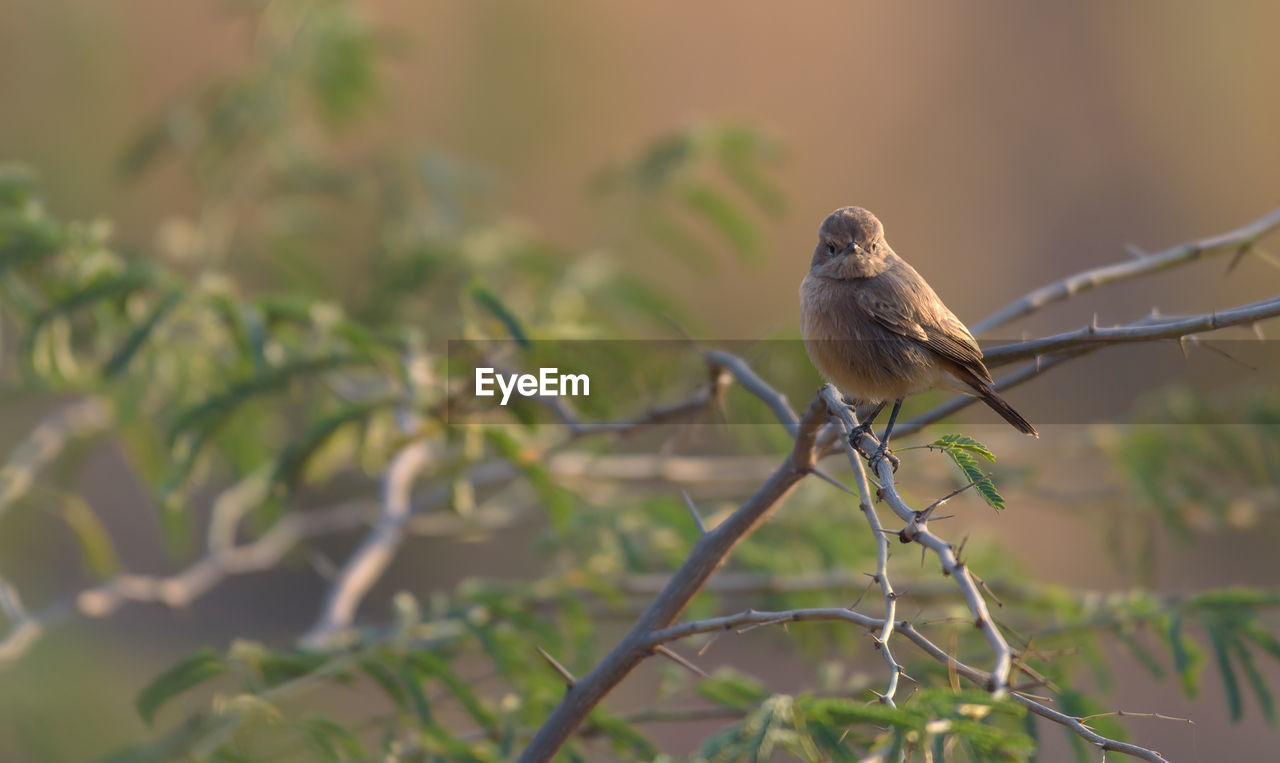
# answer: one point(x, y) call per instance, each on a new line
point(883, 453)
point(855, 439)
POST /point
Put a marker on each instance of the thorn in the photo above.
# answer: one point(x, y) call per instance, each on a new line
point(1037, 697)
point(682, 662)
point(983, 583)
point(828, 478)
point(710, 641)
point(858, 600)
point(323, 566)
point(1182, 345)
point(923, 516)
point(1093, 324)
point(1257, 330)
point(1239, 255)
point(697, 518)
point(1227, 355)
point(1136, 252)
point(557, 667)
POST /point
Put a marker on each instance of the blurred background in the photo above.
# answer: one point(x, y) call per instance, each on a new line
point(1003, 145)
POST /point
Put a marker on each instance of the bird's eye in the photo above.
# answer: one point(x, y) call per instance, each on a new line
point(831, 248)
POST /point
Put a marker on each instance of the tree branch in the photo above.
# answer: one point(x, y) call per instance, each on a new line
point(908, 631)
point(1240, 240)
point(917, 531)
point(710, 551)
point(375, 553)
point(1055, 350)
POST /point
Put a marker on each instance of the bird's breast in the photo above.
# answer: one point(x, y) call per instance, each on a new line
point(854, 352)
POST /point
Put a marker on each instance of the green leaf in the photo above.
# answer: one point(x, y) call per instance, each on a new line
point(1262, 637)
point(204, 416)
point(278, 667)
point(433, 665)
point(624, 736)
point(1220, 641)
point(963, 451)
point(25, 239)
point(726, 217)
point(295, 456)
point(119, 359)
point(341, 70)
point(489, 301)
point(953, 442)
point(675, 238)
point(95, 542)
point(187, 673)
point(333, 741)
point(386, 680)
point(104, 287)
point(1256, 680)
point(1188, 658)
point(740, 152)
point(1141, 654)
point(731, 689)
point(17, 184)
point(969, 466)
point(556, 498)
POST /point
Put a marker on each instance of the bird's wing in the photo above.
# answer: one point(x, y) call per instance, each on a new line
point(939, 330)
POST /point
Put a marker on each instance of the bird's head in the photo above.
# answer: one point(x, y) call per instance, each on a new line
point(850, 245)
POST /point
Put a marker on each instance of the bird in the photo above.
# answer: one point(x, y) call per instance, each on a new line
point(875, 329)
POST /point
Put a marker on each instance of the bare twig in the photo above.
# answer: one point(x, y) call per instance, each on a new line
point(77, 420)
point(1146, 331)
point(697, 518)
point(569, 680)
point(682, 662)
point(917, 531)
point(908, 631)
point(1053, 351)
point(866, 503)
point(371, 558)
point(707, 555)
point(1239, 240)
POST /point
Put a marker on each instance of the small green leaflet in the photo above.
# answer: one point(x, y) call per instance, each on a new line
point(489, 301)
point(965, 450)
point(189, 672)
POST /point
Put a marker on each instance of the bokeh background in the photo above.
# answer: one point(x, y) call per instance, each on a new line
point(1003, 145)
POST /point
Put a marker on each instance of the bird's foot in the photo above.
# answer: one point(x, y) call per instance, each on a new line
point(855, 438)
point(884, 453)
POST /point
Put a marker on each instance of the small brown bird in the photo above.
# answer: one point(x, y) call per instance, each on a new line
point(876, 330)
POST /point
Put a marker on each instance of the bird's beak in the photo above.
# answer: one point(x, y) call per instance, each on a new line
point(851, 248)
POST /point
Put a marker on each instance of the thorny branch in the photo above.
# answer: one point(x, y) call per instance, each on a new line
point(917, 531)
point(909, 632)
point(1239, 241)
point(1048, 352)
point(656, 626)
point(866, 503)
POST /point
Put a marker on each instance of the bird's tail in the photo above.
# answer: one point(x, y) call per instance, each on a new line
point(1005, 410)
